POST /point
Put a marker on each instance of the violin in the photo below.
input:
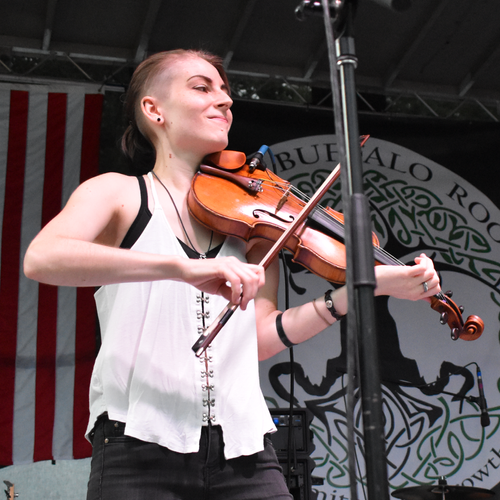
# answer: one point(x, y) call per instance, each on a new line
point(247, 201)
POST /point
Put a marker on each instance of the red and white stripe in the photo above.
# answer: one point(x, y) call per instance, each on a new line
point(49, 143)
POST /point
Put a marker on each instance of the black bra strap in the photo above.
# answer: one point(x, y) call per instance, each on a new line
point(141, 221)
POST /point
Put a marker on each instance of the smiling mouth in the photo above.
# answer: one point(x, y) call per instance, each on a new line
point(219, 118)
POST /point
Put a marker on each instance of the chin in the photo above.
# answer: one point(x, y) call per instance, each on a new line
point(218, 145)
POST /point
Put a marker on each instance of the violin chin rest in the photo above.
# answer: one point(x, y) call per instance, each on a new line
point(227, 159)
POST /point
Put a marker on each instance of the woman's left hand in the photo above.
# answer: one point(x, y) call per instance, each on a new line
point(420, 281)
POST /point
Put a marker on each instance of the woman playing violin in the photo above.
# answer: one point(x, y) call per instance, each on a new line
point(165, 424)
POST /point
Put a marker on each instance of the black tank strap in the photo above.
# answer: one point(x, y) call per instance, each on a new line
point(141, 221)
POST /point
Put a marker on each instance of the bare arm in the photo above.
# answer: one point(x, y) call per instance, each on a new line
point(304, 322)
point(300, 323)
point(79, 247)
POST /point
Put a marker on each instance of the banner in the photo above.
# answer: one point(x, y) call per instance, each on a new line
point(434, 425)
point(49, 143)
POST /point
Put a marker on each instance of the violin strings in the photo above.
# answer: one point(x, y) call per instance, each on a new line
point(339, 226)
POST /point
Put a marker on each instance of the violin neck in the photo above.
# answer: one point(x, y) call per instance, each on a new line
point(323, 221)
point(327, 224)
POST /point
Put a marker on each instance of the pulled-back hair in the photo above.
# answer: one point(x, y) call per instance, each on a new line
point(135, 139)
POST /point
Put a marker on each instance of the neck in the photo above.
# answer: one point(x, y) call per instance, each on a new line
point(176, 174)
point(171, 163)
point(193, 234)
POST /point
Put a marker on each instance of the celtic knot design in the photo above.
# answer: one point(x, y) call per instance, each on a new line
point(416, 218)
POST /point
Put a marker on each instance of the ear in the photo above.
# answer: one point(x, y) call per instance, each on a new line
point(151, 110)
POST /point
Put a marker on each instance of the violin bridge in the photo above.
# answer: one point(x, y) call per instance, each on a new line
point(282, 200)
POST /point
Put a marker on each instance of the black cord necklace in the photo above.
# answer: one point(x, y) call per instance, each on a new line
point(202, 255)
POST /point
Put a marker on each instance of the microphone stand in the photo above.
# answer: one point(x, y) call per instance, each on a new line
point(360, 274)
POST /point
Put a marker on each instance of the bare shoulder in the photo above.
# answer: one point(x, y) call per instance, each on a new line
point(109, 192)
point(101, 209)
point(109, 185)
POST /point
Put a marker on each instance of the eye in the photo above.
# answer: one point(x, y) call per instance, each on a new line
point(201, 88)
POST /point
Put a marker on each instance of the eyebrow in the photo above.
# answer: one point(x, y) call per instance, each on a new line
point(210, 81)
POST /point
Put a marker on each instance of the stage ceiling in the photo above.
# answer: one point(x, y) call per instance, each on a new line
point(434, 50)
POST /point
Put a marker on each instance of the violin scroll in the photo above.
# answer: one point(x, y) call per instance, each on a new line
point(451, 314)
point(473, 328)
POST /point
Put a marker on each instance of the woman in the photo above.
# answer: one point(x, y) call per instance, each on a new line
point(163, 423)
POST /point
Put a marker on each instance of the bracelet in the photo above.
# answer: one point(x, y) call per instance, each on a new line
point(281, 333)
point(319, 313)
point(331, 307)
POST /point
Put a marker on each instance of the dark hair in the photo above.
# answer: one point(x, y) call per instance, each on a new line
point(134, 140)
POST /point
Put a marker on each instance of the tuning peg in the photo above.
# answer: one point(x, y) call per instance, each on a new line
point(443, 319)
point(449, 294)
point(455, 333)
point(461, 309)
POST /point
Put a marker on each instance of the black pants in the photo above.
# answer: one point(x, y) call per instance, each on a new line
point(125, 468)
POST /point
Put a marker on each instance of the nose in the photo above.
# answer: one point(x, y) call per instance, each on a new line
point(224, 100)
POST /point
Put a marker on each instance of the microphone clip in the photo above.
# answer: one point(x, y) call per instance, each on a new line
point(308, 8)
point(256, 160)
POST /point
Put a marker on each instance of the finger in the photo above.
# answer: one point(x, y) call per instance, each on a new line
point(250, 286)
point(244, 286)
point(424, 267)
point(430, 287)
point(225, 291)
point(424, 260)
point(235, 287)
point(240, 281)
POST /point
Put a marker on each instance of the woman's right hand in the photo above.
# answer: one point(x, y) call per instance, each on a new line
point(236, 281)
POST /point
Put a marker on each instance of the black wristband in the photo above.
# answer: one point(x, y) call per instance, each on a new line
point(331, 307)
point(281, 332)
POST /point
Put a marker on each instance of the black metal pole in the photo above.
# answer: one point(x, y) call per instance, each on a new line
point(360, 273)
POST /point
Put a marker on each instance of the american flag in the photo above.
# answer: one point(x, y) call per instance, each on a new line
point(49, 143)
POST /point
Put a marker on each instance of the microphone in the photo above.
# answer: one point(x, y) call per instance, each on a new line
point(485, 418)
point(257, 159)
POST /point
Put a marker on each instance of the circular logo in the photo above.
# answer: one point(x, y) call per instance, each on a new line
point(434, 421)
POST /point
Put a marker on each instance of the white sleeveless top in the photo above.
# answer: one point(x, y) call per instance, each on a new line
point(146, 373)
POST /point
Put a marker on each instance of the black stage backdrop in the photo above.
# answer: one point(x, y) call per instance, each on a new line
point(470, 149)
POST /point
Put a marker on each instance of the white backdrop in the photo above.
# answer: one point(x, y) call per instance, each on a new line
point(417, 205)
